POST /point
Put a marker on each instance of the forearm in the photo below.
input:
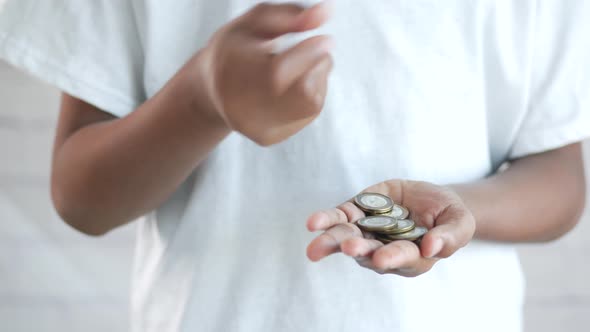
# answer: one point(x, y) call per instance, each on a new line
point(538, 198)
point(109, 173)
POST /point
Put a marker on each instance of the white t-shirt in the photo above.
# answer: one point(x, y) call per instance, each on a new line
point(441, 91)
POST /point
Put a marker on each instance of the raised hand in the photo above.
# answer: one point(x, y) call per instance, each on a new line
point(451, 226)
point(268, 97)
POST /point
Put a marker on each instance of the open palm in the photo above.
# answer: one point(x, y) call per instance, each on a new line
point(451, 226)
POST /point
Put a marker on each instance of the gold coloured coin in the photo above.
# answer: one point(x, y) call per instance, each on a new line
point(373, 203)
point(412, 235)
point(377, 224)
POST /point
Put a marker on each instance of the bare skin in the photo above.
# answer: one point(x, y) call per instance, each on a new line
point(134, 163)
point(538, 198)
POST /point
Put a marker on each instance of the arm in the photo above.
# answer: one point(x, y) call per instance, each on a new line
point(538, 198)
point(108, 171)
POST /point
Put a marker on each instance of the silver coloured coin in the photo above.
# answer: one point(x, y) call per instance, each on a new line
point(399, 212)
point(412, 235)
point(377, 223)
point(374, 203)
point(403, 226)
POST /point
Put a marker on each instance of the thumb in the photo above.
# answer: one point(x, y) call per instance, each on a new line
point(454, 229)
point(270, 21)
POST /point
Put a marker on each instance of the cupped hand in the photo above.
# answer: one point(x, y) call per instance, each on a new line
point(451, 226)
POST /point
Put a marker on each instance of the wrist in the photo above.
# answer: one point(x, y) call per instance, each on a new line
point(194, 77)
point(472, 198)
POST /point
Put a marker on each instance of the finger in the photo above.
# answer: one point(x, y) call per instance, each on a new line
point(443, 241)
point(290, 128)
point(312, 87)
point(399, 255)
point(295, 111)
point(329, 242)
point(410, 271)
point(373, 255)
point(359, 247)
point(345, 213)
point(273, 20)
point(392, 188)
point(352, 211)
point(454, 229)
point(323, 220)
point(367, 263)
point(305, 99)
point(306, 59)
point(315, 16)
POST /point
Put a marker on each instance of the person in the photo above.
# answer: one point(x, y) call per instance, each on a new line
point(192, 118)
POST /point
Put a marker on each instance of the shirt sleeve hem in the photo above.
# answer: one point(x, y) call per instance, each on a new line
point(106, 99)
point(541, 141)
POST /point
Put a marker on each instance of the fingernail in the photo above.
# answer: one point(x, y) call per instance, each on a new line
point(436, 247)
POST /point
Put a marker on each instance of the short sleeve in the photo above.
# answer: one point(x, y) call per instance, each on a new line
point(559, 99)
point(89, 49)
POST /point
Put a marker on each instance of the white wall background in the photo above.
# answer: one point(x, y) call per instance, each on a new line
point(54, 279)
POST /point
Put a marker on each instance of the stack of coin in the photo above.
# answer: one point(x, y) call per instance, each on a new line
point(386, 220)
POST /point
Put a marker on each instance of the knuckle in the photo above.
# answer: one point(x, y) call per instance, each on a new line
point(352, 229)
point(261, 8)
point(352, 212)
point(275, 76)
point(317, 102)
point(341, 216)
point(250, 18)
point(266, 8)
point(347, 205)
point(239, 126)
point(265, 138)
point(264, 141)
point(313, 98)
point(451, 243)
point(329, 62)
point(259, 136)
point(330, 236)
